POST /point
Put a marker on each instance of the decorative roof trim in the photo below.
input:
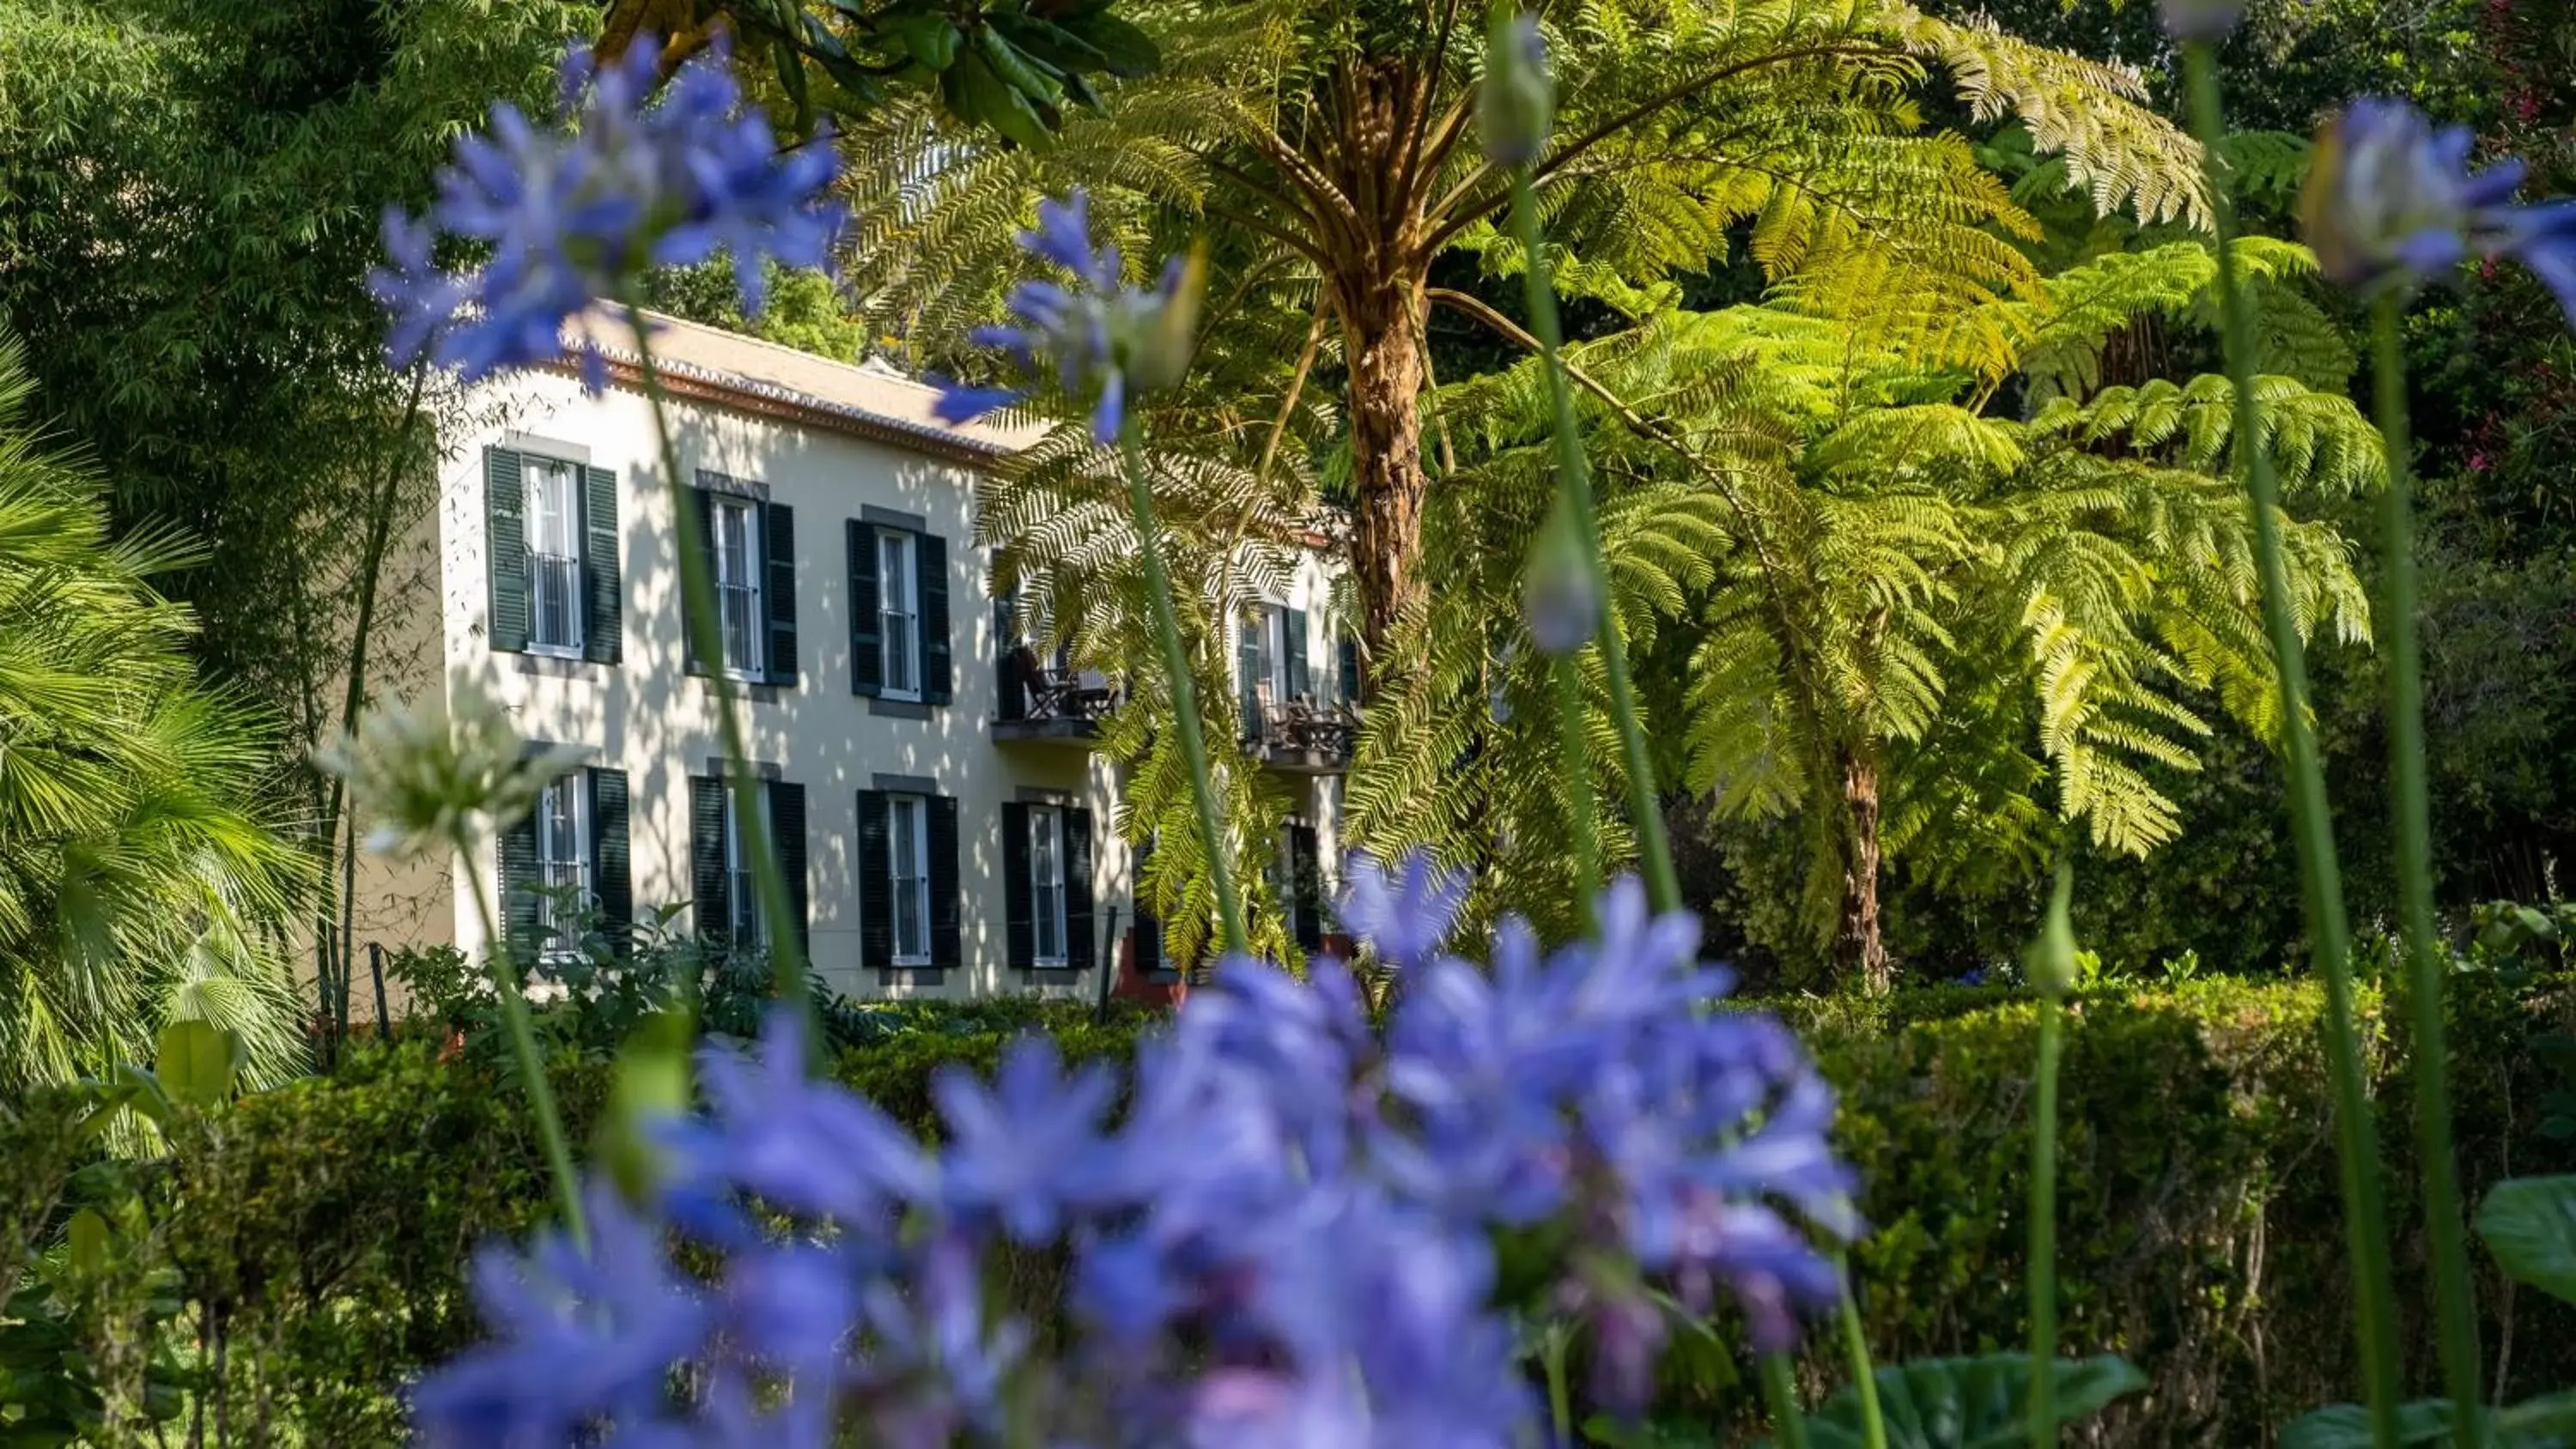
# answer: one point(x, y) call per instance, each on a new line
point(767, 399)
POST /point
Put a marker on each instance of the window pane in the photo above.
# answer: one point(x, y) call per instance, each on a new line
point(1046, 869)
point(563, 866)
point(554, 555)
point(895, 593)
point(743, 894)
point(737, 585)
point(911, 895)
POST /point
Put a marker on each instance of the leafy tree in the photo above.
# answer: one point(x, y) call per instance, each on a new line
point(1914, 621)
point(141, 879)
point(1325, 152)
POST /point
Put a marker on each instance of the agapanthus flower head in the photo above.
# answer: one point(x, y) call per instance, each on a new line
point(1405, 913)
point(1516, 101)
point(2391, 201)
point(2201, 19)
point(1098, 338)
point(421, 777)
point(1286, 1237)
point(564, 215)
point(1560, 590)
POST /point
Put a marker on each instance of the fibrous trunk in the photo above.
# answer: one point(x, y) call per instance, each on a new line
point(1860, 952)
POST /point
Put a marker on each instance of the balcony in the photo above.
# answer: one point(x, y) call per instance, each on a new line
point(1299, 736)
point(1049, 702)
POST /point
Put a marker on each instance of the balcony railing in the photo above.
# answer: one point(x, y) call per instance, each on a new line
point(1043, 700)
point(1298, 734)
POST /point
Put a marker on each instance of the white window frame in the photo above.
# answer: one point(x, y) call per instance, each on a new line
point(748, 584)
point(899, 612)
point(536, 473)
point(1050, 887)
point(563, 804)
point(742, 893)
point(908, 815)
point(1271, 684)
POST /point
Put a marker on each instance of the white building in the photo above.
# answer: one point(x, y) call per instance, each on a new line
point(943, 834)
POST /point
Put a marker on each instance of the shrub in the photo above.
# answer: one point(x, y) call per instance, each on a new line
point(319, 1233)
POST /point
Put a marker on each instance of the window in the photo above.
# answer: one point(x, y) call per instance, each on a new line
point(742, 896)
point(900, 611)
point(554, 557)
point(738, 570)
point(908, 859)
point(1257, 662)
point(563, 887)
point(1047, 884)
point(899, 648)
point(1297, 879)
point(551, 557)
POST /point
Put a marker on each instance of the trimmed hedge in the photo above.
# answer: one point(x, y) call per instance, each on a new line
point(322, 1229)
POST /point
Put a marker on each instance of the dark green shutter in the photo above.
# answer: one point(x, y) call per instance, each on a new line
point(938, 669)
point(612, 876)
point(704, 502)
point(1349, 664)
point(1019, 897)
point(518, 858)
point(1080, 951)
point(787, 832)
point(867, 616)
point(603, 625)
point(1248, 637)
point(1306, 887)
point(1149, 931)
point(947, 898)
point(505, 553)
point(876, 881)
point(778, 589)
point(1301, 684)
point(1006, 650)
point(711, 889)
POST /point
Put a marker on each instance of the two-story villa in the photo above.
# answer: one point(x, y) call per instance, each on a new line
point(931, 785)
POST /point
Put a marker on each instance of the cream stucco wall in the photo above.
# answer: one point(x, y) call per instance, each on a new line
point(648, 716)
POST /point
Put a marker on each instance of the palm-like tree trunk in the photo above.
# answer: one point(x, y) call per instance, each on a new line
point(1860, 951)
point(1382, 324)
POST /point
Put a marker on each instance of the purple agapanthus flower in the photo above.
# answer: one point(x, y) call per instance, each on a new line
point(1099, 338)
point(1285, 1234)
point(2201, 19)
point(557, 218)
point(583, 1337)
point(1405, 913)
point(2392, 201)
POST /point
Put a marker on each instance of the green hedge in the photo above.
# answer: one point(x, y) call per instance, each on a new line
point(322, 1229)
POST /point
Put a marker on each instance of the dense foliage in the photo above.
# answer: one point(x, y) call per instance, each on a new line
point(321, 1231)
point(142, 876)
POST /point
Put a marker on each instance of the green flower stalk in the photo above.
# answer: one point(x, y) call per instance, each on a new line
point(1780, 1395)
point(1103, 340)
point(2052, 970)
point(1515, 101)
point(698, 617)
point(427, 781)
point(2454, 1308)
point(2330, 934)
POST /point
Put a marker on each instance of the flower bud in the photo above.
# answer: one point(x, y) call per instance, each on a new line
point(1170, 335)
point(1516, 104)
point(2388, 195)
point(2201, 19)
point(1560, 593)
point(2051, 961)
